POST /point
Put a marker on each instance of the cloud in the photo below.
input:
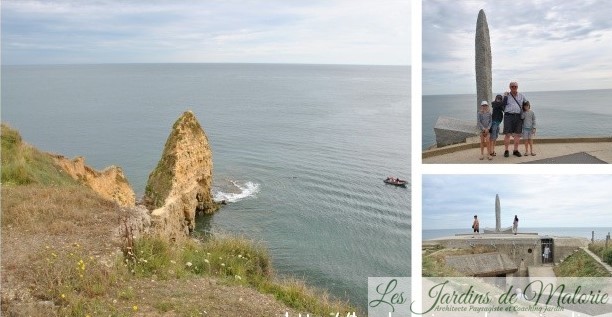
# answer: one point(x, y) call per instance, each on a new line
point(450, 201)
point(341, 31)
point(536, 42)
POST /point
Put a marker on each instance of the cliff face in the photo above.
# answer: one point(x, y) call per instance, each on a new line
point(182, 179)
point(111, 183)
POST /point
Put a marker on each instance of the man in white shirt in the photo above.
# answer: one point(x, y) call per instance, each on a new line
point(513, 124)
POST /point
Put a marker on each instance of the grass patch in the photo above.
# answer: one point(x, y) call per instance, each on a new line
point(235, 261)
point(603, 252)
point(52, 210)
point(580, 264)
point(434, 261)
point(75, 281)
point(164, 306)
point(296, 294)
point(23, 164)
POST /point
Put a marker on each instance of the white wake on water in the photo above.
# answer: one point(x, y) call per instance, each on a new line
point(240, 192)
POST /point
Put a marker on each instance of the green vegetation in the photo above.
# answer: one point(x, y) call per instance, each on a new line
point(434, 260)
point(57, 246)
point(74, 280)
point(159, 183)
point(580, 264)
point(80, 285)
point(233, 260)
point(607, 256)
point(22, 164)
point(604, 252)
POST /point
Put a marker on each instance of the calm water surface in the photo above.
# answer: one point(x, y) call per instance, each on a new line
point(301, 150)
point(571, 113)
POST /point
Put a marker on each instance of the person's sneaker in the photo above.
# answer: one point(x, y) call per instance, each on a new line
point(506, 153)
point(516, 153)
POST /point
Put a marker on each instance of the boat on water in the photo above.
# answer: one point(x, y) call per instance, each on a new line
point(395, 181)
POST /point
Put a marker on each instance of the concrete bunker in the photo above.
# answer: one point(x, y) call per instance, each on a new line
point(547, 251)
point(493, 264)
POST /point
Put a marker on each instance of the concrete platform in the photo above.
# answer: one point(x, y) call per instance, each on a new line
point(588, 150)
point(499, 236)
point(541, 271)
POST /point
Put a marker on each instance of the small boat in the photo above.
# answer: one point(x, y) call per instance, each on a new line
point(395, 181)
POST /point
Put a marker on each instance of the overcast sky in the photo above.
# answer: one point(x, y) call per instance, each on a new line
point(451, 201)
point(268, 31)
point(543, 44)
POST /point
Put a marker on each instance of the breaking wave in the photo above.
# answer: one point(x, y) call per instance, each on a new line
point(237, 192)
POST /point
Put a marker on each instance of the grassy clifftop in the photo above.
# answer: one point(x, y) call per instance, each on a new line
point(23, 164)
point(63, 253)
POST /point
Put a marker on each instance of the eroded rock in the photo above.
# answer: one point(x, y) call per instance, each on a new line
point(182, 177)
point(111, 183)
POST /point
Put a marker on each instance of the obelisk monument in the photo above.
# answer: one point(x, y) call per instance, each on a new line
point(497, 214)
point(483, 62)
point(450, 130)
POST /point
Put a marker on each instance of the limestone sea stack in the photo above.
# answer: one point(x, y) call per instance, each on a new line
point(483, 61)
point(181, 181)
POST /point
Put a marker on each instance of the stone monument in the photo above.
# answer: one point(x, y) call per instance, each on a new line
point(497, 214)
point(451, 131)
point(483, 61)
point(498, 228)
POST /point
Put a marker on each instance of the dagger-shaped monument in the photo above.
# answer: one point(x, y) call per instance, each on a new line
point(497, 214)
point(483, 61)
point(450, 130)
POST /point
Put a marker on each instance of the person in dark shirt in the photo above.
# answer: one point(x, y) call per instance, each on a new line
point(498, 117)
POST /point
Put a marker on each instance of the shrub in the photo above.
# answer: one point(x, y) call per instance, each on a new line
point(607, 256)
point(597, 247)
point(151, 256)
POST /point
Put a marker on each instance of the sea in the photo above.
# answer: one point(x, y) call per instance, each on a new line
point(598, 233)
point(570, 113)
point(300, 151)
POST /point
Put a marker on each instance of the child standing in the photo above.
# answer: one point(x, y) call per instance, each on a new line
point(529, 127)
point(498, 117)
point(484, 124)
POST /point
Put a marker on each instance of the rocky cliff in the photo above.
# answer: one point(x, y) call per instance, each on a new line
point(111, 183)
point(182, 180)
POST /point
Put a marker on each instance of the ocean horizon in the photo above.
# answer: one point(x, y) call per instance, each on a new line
point(582, 232)
point(300, 151)
point(568, 113)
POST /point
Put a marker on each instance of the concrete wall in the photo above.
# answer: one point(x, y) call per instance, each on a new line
point(524, 251)
point(564, 247)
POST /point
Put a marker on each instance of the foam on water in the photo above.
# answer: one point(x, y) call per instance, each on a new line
point(248, 189)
